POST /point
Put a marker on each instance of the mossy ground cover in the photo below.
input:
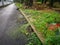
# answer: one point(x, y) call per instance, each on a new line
point(47, 22)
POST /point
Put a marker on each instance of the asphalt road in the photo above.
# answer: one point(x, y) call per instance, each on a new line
point(8, 21)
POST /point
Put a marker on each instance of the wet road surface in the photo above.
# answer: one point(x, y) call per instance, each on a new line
point(8, 21)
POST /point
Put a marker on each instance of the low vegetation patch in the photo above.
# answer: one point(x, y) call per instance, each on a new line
point(47, 22)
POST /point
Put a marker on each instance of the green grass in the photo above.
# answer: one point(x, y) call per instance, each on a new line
point(33, 39)
point(19, 5)
point(41, 19)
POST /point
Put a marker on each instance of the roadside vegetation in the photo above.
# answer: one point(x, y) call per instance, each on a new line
point(46, 21)
point(32, 39)
point(31, 36)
